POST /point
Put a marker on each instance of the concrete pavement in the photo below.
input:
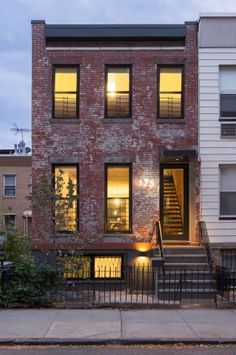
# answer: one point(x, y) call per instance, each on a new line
point(97, 326)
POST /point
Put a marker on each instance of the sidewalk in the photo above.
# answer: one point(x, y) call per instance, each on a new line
point(97, 326)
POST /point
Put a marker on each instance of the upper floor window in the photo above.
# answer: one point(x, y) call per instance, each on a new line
point(118, 92)
point(65, 101)
point(228, 191)
point(118, 198)
point(9, 185)
point(170, 92)
point(66, 194)
point(228, 92)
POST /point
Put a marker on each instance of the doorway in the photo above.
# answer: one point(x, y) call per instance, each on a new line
point(174, 191)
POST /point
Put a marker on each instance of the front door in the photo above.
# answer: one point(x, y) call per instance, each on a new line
point(174, 201)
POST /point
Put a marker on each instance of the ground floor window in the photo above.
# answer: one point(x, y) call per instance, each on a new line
point(9, 220)
point(118, 198)
point(92, 267)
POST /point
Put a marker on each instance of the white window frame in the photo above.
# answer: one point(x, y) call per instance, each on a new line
point(221, 168)
point(4, 185)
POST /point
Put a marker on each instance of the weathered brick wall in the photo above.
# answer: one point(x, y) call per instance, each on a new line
point(92, 141)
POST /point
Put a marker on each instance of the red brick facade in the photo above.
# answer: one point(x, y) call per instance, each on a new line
point(91, 141)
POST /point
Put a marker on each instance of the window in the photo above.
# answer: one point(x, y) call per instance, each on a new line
point(170, 93)
point(9, 185)
point(107, 267)
point(66, 92)
point(92, 267)
point(228, 92)
point(118, 198)
point(118, 97)
point(66, 189)
point(9, 220)
point(228, 192)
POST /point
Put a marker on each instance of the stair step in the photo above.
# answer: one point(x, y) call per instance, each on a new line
point(186, 258)
point(189, 266)
point(183, 250)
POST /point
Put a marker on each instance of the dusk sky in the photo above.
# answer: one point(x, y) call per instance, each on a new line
point(15, 40)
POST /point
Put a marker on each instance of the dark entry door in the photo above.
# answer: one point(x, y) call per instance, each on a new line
point(174, 201)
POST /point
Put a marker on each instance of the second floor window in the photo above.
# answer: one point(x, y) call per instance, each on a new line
point(66, 198)
point(65, 100)
point(118, 92)
point(228, 92)
point(9, 185)
point(170, 93)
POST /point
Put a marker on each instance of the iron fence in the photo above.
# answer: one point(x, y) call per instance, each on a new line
point(134, 285)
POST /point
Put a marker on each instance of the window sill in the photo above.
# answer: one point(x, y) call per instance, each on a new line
point(10, 196)
point(64, 120)
point(117, 120)
point(233, 218)
point(171, 120)
point(118, 234)
point(65, 235)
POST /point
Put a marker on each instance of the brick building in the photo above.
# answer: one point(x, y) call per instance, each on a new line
point(15, 185)
point(115, 110)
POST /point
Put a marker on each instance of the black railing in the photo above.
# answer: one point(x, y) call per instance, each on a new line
point(206, 243)
point(226, 283)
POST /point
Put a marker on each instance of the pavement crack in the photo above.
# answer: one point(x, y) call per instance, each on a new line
point(52, 321)
point(188, 325)
point(121, 324)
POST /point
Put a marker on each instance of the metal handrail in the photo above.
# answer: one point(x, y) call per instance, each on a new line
point(206, 243)
point(159, 239)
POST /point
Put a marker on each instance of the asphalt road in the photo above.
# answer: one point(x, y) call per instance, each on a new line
point(121, 350)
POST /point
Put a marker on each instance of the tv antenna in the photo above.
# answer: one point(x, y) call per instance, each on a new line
point(19, 130)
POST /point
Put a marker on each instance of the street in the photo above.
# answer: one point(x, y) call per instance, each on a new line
point(124, 350)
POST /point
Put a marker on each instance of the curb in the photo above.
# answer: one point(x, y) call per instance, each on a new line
point(87, 342)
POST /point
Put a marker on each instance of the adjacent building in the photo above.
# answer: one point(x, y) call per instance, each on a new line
point(15, 185)
point(217, 127)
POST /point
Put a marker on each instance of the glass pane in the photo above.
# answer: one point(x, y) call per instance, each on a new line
point(228, 179)
point(170, 79)
point(65, 105)
point(65, 79)
point(10, 180)
point(107, 267)
point(117, 105)
point(117, 214)
point(77, 267)
point(9, 220)
point(228, 203)
point(170, 105)
point(228, 80)
point(173, 202)
point(117, 79)
point(228, 105)
point(66, 180)
point(118, 181)
point(66, 203)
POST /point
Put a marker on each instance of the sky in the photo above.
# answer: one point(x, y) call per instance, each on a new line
point(15, 40)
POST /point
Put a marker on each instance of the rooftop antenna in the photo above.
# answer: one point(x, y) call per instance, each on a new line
point(19, 130)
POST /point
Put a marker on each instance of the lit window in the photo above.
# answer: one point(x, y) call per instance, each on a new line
point(118, 98)
point(66, 198)
point(170, 93)
point(228, 191)
point(228, 92)
point(118, 198)
point(9, 220)
point(9, 185)
point(107, 267)
point(65, 92)
point(76, 267)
